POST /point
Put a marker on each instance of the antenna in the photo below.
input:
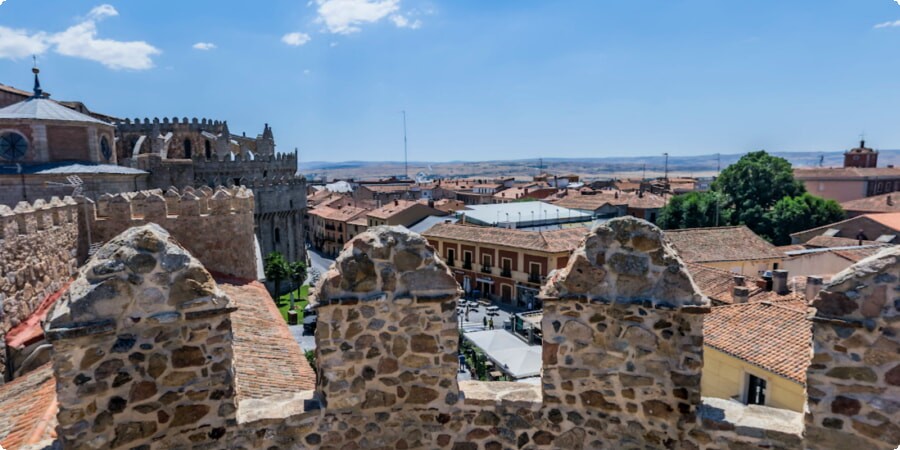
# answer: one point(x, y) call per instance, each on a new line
point(405, 158)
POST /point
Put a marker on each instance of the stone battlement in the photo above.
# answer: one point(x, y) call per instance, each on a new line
point(27, 218)
point(138, 124)
point(215, 225)
point(622, 357)
point(284, 160)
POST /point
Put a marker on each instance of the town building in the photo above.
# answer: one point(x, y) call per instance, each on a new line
point(524, 193)
point(534, 215)
point(614, 203)
point(330, 227)
point(858, 178)
point(878, 228)
point(503, 264)
point(401, 212)
point(736, 249)
point(757, 353)
point(884, 203)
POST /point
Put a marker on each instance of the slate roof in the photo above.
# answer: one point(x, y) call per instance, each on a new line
point(737, 243)
point(775, 336)
point(28, 409)
point(550, 241)
point(46, 109)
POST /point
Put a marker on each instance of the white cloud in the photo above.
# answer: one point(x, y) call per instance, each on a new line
point(402, 22)
point(345, 16)
point(19, 44)
point(204, 46)
point(80, 41)
point(295, 39)
point(99, 12)
point(306, 71)
point(895, 23)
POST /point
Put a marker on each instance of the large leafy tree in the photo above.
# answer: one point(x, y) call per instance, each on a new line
point(754, 184)
point(276, 270)
point(695, 209)
point(758, 191)
point(792, 214)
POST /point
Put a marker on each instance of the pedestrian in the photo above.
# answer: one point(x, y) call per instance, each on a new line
point(484, 319)
point(491, 323)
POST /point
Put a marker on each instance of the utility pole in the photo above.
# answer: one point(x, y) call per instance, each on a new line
point(405, 154)
point(718, 169)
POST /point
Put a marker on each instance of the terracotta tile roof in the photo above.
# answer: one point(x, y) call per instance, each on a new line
point(847, 173)
point(829, 241)
point(344, 214)
point(521, 191)
point(790, 248)
point(387, 188)
point(449, 205)
point(267, 359)
point(391, 209)
point(28, 409)
point(883, 203)
point(592, 201)
point(718, 284)
point(857, 254)
point(31, 329)
point(550, 241)
point(721, 244)
point(775, 336)
point(890, 220)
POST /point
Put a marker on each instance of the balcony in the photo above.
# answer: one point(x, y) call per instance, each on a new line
point(485, 269)
point(534, 278)
point(467, 265)
point(506, 272)
point(451, 262)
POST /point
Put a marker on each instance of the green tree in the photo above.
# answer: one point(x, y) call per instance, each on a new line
point(276, 270)
point(695, 209)
point(792, 214)
point(297, 275)
point(754, 184)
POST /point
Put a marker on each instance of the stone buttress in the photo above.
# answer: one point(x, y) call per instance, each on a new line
point(853, 382)
point(142, 349)
point(387, 332)
point(623, 337)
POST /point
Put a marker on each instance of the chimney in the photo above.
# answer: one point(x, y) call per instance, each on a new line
point(740, 294)
point(780, 282)
point(740, 280)
point(813, 286)
point(766, 284)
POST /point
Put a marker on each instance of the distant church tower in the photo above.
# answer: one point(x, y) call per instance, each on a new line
point(861, 156)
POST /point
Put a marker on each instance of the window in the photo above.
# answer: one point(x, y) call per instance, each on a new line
point(756, 390)
point(13, 146)
point(486, 260)
point(451, 256)
point(105, 149)
point(187, 148)
point(277, 235)
point(208, 149)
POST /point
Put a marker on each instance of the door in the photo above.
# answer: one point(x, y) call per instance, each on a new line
point(756, 390)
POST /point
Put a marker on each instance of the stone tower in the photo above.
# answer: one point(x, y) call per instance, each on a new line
point(142, 349)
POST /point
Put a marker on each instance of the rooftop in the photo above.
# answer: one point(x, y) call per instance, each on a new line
point(883, 203)
point(737, 243)
point(845, 173)
point(391, 209)
point(518, 212)
point(774, 336)
point(340, 214)
point(45, 109)
point(28, 409)
point(718, 284)
point(551, 241)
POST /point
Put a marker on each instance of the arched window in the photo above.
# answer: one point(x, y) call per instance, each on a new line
point(208, 150)
point(277, 235)
point(105, 149)
point(13, 146)
point(187, 148)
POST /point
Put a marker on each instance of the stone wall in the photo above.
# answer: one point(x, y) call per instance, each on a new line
point(623, 335)
point(216, 226)
point(37, 257)
point(386, 334)
point(854, 378)
point(623, 355)
point(142, 349)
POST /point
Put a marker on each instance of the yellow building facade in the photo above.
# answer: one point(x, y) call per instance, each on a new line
point(725, 376)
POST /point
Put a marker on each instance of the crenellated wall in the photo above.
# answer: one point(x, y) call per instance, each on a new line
point(854, 378)
point(216, 226)
point(142, 350)
point(37, 257)
point(622, 359)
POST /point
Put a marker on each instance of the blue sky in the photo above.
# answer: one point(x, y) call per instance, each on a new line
point(478, 79)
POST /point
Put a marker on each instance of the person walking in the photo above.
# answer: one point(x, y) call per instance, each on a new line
point(484, 319)
point(491, 323)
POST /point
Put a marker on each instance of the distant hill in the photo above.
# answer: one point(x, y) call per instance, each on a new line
point(588, 168)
